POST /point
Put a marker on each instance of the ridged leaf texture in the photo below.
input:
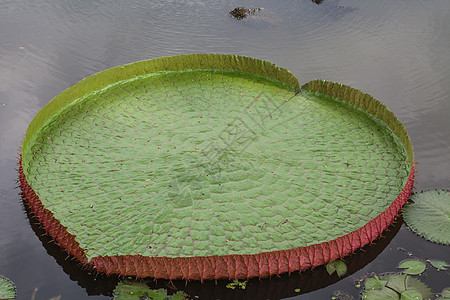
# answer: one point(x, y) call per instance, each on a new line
point(204, 156)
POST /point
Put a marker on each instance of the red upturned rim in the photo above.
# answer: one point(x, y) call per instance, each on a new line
point(217, 267)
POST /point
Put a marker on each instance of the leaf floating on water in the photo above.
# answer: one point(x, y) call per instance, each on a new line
point(7, 289)
point(185, 179)
point(130, 290)
point(429, 215)
point(375, 283)
point(439, 264)
point(445, 294)
point(398, 286)
point(412, 267)
point(339, 266)
point(411, 295)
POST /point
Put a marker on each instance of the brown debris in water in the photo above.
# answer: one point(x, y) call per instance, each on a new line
point(240, 13)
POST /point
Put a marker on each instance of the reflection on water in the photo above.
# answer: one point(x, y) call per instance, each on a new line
point(94, 284)
point(396, 51)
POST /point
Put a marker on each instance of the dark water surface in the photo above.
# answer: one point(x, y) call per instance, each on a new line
point(396, 50)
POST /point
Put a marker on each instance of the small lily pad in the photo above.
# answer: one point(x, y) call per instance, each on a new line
point(7, 289)
point(339, 266)
point(429, 215)
point(398, 286)
point(131, 290)
point(384, 293)
point(439, 264)
point(374, 283)
point(412, 267)
point(445, 294)
point(411, 295)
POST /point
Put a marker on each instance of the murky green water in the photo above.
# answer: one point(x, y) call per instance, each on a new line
point(397, 51)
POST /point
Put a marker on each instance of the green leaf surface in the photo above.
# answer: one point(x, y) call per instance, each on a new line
point(237, 284)
point(429, 215)
point(411, 294)
point(7, 289)
point(170, 158)
point(424, 290)
point(374, 283)
point(446, 292)
point(337, 266)
point(132, 290)
point(385, 294)
point(396, 285)
point(439, 264)
point(396, 282)
point(412, 267)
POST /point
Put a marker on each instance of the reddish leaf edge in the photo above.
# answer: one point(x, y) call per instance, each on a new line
point(217, 267)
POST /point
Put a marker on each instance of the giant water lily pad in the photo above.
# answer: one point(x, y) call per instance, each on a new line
point(429, 215)
point(213, 166)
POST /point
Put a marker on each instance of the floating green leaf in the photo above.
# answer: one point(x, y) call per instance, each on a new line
point(445, 294)
point(439, 264)
point(398, 286)
point(297, 290)
point(384, 293)
point(339, 266)
point(374, 283)
point(411, 295)
point(131, 290)
point(7, 289)
point(412, 267)
point(429, 215)
point(237, 284)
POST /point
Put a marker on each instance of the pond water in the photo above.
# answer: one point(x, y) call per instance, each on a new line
point(396, 50)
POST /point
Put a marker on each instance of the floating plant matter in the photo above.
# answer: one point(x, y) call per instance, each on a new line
point(429, 215)
point(130, 290)
point(7, 289)
point(395, 286)
point(210, 166)
point(240, 13)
